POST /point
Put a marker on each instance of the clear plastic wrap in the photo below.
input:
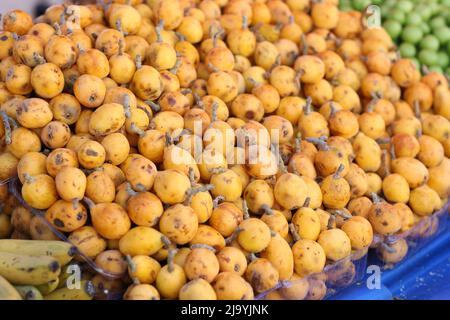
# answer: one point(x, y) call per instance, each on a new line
point(335, 277)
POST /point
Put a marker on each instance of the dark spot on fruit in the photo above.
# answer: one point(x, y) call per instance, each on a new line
point(91, 152)
point(57, 222)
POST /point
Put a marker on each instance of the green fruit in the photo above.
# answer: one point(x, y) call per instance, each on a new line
point(436, 68)
point(397, 15)
point(407, 50)
point(416, 62)
point(437, 22)
point(394, 28)
point(404, 5)
point(360, 5)
point(429, 42)
point(424, 11)
point(443, 59)
point(428, 57)
point(425, 28)
point(413, 18)
point(443, 34)
point(412, 34)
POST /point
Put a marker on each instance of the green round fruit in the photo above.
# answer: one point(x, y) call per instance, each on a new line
point(407, 50)
point(397, 15)
point(436, 69)
point(413, 18)
point(443, 34)
point(429, 42)
point(416, 62)
point(360, 5)
point(443, 59)
point(428, 57)
point(404, 5)
point(394, 28)
point(412, 34)
point(425, 28)
point(437, 22)
point(424, 11)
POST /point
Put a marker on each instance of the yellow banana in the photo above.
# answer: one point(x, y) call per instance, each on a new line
point(60, 250)
point(29, 293)
point(85, 291)
point(7, 291)
point(48, 287)
point(28, 270)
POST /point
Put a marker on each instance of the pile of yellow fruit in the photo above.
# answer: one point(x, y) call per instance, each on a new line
point(210, 149)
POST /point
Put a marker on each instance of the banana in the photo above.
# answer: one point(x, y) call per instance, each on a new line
point(60, 250)
point(29, 293)
point(85, 291)
point(7, 291)
point(28, 270)
point(48, 287)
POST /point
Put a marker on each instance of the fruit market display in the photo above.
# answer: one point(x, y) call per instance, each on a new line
point(209, 149)
point(421, 29)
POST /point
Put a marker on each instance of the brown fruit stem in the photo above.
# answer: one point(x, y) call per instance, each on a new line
point(138, 61)
point(202, 246)
point(320, 143)
point(12, 16)
point(294, 168)
point(307, 202)
point(417, 112)
point(28, 178)
point(130, 190)
point(425, 70)
point(7, 126)
point(159, 27)
point(375, 198)
point(252, 256)
point(180, 36)
point(387, 247)
point(244, 22)
point(218, 200)
point(305, 44)
point(89, 203)
point(193, 191)
point(38, 58)
point(214, 108)
point(266, 210)
point(80, 47)
point(392, 151)
point(337, 174)
point(331, 222)
point(233, 236)
point(130, 263)
point(294, 232)
point(170, 257)
point(134, 128)
point(385, 140)
point(341, 213)
point(245, 209)
point(213, 67)
point(154, 106)
point(57, 29)
point(126, 106)
point(175, 68)
point(307, 109)
point(121, 47)
point(385, 159)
